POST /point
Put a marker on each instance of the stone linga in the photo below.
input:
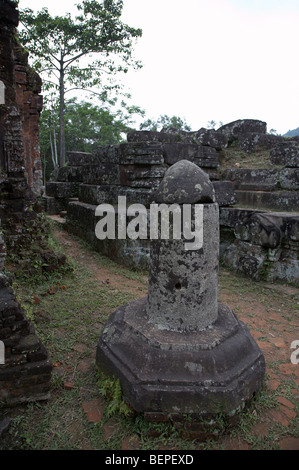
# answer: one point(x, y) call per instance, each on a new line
point(178, 350)
point(185, 183)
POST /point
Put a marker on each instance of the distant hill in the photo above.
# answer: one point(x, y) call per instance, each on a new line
point(292, 133)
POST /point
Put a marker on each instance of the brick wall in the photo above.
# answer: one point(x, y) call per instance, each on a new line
point(26, 372)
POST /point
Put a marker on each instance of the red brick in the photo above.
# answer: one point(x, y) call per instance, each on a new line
point(284, 401)
point(289, 368)
point(68, 385)
point(289, 443)
point(130, 443)
point(290, 414)
point(278, 342)
point(85, 366)
point(273, 384)
point(156, 417)
point(109, 429)
point(94, 410)
point(279, 417)
point(20, 77)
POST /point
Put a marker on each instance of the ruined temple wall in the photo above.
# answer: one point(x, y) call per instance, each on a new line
point(133, 169)
point(30, 102)
point(25, 370)
point(19, 116)
point(267, 249)
point(261, 243)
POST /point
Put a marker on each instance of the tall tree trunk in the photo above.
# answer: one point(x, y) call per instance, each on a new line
point(61, 113)
point(55, 147)
point(52, 151)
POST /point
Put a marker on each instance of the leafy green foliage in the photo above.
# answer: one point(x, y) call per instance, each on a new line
point(86, 127)
point(111, 389)
point(164, 121)
point(77, 53)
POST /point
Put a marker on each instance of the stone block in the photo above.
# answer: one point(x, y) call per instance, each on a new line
point(252, 142)
point(53, 206)
point(81, 214)
point(285, 268)
point(98, 194)
point(203, 156)
point(143, 195)
point(141, 153)
point(101, 174)
point(234, 129)
point(289, 178)
point(224, 193)
point(141, 176)
point(93, 194)
point(78, 158)
point(152, 136)
point(285, 154)
point(26, 344)
point(246, 258)
point(275, 200)
point(253, 179)
point(230, 216)
point(287, 222)
point(105, 154)
point(68, 174)
point(261, 229)
point(211, 138)
point(291, 230)
point(81, 221)
point(61, 190)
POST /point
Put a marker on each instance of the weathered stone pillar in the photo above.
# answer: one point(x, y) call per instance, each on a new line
point(183, 282)
point(178, 350)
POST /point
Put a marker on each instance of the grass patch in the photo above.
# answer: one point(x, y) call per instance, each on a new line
point(68, 310)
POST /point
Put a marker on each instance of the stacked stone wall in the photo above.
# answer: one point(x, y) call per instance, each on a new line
point(136, 168)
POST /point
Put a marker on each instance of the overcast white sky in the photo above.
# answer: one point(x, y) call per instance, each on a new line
point(218, 60)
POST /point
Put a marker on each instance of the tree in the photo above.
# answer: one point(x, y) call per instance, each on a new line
point(213, 124)
point(62, 45)
point(164, 121)
point(87, 126)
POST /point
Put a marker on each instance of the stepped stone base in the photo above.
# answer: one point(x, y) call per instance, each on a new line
point(275, 200)
point(260, 244)
point(207, 372)
point(81, 221)
point(25, 375)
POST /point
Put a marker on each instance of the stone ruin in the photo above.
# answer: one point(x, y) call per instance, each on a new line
point(178, 351)
point(259, 215)
point(25, 374)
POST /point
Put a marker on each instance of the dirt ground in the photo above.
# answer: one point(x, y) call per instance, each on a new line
point(269, 310)
point(271, 313)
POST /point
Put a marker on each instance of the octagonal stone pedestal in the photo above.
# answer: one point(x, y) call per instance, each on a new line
point(206, 372)
point(179, 351)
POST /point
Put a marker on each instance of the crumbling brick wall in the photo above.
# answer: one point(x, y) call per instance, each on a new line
point(30, 102)
point(25, 372)
point(19, 142)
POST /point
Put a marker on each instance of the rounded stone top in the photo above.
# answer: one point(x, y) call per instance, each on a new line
point(185, 183)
